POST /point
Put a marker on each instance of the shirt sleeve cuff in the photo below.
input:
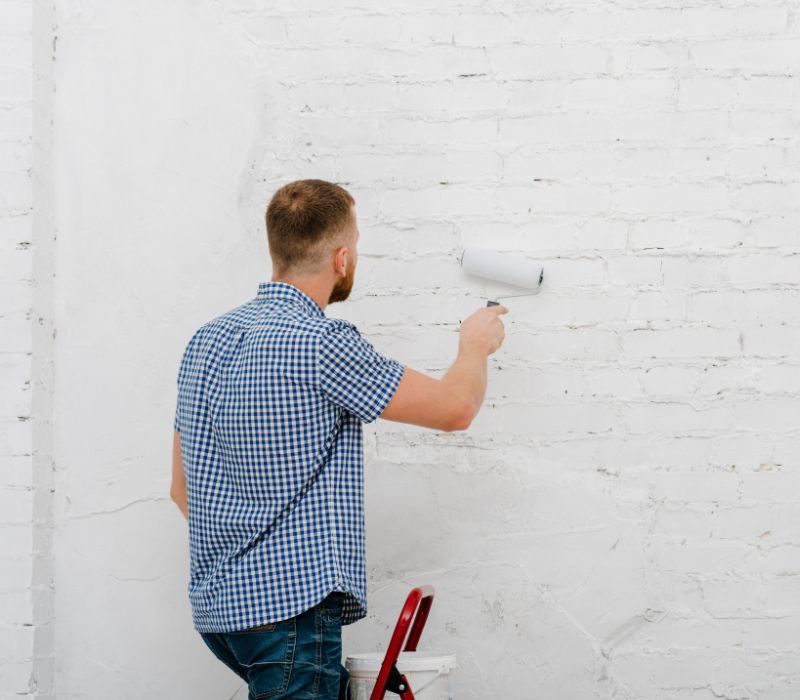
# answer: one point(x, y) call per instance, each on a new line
point(385, 391)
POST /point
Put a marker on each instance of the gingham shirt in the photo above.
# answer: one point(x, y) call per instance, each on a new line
point(271, 398)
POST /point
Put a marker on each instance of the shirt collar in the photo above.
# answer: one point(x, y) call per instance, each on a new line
point(284, 290)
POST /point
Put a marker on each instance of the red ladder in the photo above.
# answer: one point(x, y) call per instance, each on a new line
point(389, 678)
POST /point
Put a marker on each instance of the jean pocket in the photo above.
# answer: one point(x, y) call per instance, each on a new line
point(266, 656)
point(331, 607)
point(269, 627)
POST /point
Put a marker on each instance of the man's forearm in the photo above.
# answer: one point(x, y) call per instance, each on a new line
point(467, 376)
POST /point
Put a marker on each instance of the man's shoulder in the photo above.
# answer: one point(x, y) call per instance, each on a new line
point(247, 316)
point(238, 317)
point(314, 326)
point(220, 326)
point(340, 325)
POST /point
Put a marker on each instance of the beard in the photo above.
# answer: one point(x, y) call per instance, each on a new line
point(341, 290)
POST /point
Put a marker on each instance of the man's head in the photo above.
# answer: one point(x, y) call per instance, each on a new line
point(312, 236)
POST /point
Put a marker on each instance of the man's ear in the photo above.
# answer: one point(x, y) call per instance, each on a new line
point(342, 261)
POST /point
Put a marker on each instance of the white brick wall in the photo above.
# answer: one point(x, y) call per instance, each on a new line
point(43, 333)
point(16, 300)
point(621, 520)
point(26, 349)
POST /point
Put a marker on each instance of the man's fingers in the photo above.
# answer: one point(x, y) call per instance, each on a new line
point(499, 309)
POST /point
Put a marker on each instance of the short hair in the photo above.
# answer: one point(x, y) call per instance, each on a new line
point(303, 218)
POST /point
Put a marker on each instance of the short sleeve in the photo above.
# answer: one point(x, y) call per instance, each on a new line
point(186, 358)
point(354, 375)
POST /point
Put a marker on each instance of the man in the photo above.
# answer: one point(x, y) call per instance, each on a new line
point(267, 451)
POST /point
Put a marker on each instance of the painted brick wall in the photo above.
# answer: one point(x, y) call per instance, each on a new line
point(621, 520)
point(16, 300)
point(26, 349)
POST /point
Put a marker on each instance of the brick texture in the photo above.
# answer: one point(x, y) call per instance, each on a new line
point(621, 521)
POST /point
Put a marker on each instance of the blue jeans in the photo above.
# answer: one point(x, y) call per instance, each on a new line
point(297, 658)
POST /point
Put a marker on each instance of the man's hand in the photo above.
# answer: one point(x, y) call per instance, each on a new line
point(177, 491)
point(484, 329)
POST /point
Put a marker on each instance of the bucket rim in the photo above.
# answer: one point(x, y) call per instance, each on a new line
point(407, 661)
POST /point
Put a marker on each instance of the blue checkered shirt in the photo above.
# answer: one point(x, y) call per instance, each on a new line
point(271, 398)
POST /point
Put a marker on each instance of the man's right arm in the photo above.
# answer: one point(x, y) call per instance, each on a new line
point(451, 403)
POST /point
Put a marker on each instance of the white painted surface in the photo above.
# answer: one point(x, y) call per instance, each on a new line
point(621, 520)
point(19, 369)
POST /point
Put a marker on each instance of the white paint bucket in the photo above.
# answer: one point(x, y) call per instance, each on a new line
point(428, 675)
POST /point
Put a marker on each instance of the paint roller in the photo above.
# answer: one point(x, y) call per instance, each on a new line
point(508, 268)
